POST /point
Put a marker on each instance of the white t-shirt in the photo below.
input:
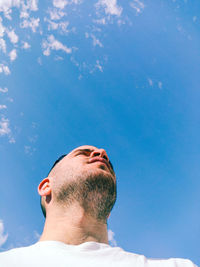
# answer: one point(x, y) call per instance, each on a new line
point(88, 254)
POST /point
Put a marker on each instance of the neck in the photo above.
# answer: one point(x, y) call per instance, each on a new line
point(73, 226)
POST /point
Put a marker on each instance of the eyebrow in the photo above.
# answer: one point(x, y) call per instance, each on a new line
point(82, 150)
point(90, 150)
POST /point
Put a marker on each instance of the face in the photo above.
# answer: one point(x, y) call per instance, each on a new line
point(85, 175)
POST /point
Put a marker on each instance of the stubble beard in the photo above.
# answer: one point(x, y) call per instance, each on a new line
point(95, 193)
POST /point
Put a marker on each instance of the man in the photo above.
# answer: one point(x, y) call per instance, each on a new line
point(77, 197)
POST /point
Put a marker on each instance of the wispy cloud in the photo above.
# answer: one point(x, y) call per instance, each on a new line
point(33, 5)
point(13, 54)
point(111, 238)
point(2, 28)
point(4, 69)
point(137, 5)
point(52, 22)
point(150, 81)
point(101, 21)
point(25, 45)
point(13, 36)
point(6, 5)
point(29, 150)
point(3, 237)
point(2, 45)
point(4, 127)
point(56, 14)
point(160, 85)
point(52, 44)
point(61, 26)
point(98, 66)
point(4, 90)
point(60, 3)
point(32, 23)
point(110, 6)
point(94, 39)
point(3, 107)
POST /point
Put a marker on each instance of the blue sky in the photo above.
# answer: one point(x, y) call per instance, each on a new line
point(122, 75)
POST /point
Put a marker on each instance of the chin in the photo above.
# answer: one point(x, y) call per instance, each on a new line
point(100, 172)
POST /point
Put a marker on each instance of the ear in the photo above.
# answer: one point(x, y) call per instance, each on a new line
point(44, 188)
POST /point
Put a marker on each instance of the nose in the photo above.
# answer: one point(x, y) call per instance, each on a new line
point(100, 153)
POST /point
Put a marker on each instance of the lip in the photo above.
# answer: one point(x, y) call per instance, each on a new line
point(101, 160)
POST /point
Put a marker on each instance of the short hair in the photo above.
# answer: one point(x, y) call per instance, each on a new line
point(41, 202)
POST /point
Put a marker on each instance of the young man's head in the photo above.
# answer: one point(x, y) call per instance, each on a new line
point(84, 176)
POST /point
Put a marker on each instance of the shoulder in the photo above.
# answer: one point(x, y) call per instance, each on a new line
point(16, 250)
point(171, 262)
point(15, 253)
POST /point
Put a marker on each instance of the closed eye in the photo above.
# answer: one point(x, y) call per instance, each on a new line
point(83, 152)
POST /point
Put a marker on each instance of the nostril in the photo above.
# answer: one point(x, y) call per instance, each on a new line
point(105, 157)
point(96, 154)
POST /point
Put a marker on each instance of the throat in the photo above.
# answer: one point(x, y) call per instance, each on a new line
point(74, 227)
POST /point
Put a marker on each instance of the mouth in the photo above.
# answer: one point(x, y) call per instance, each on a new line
point(105, 162)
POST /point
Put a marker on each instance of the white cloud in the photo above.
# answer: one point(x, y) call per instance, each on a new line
point(13, 55)
point(4, 127)
point(101, 21)
point(2, 45)
point(111, 238)
point(3, 237)
point(39, 60)
point(24, 14)
point(53, 44)
point(77, 1)
point(6, 5)
point(150, 82)
point(12, 36)
point(110, 6)
point(25, 45)
point(63, 26)
point(3, 90)
point(12, 140)
point(2, 28)
point(58, 58)
point(60, 3)
point(4, 69)
point(160, 85)
point(137, 5)
point(56, 14)
point(194, 18)
point(33, 23)
point(98, 66)
point(96, 41)
point(10, 99)
point(29, 150)
point(52, 25)
point(32, 5)
point(3, 107)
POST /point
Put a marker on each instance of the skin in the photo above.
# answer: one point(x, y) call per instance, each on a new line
point(68, 221)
